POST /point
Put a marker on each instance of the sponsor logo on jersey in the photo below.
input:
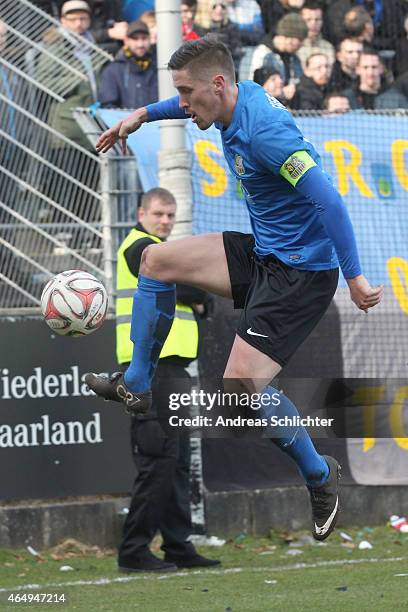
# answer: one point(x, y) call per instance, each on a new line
point(274, 102)
point(239, 164)
point(294, 166)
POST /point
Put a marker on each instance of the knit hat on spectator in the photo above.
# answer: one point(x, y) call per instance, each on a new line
point(75, 5)
point(137, 27)
point(261, 75)
point(292, 26)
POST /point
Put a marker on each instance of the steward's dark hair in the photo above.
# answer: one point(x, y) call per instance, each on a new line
point(202, 54)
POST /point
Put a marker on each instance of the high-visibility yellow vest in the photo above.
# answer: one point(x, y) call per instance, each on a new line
point(183, 336)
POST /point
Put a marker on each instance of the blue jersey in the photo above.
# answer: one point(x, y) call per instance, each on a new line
point(260, 139)
point(296, 214)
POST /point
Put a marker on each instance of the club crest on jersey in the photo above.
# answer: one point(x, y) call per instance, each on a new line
point(239, 164)
point(295, 166)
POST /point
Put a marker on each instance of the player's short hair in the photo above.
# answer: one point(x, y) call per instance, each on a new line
point(156, 193)
point(200, 55)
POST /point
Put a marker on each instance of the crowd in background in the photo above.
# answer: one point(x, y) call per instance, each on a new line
point(332, 55)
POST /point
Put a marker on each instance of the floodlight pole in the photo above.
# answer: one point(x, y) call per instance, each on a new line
point(175, 175)
point(174, 159)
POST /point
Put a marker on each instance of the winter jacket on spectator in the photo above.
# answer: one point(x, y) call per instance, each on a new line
point(266, 56)
point(340, 80)
point(246, 15)
point(129, 82)
point(401, 57)
point(386, 98)
point(309, 95)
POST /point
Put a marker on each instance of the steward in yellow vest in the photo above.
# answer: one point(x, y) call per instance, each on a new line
point(161, 491)
point(182, 340)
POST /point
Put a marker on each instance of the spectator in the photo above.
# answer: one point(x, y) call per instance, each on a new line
point(313, 85)
point(344, 68)
point(160, 496)
point(13, 89)
point(401, 55)
point(312, 13)
point(133, 9)
point(387, 16)
point(108, 26)
point(371, 93)
point(190, 30)
point(149, 18)
point(336, 103)
point(401, 83)
point(358, 25)
point(246, 15)
point(271, 80)
point(225, 30)
point(272, 12)
point(52, 7)
point(280, 51)
point(75, 17)
point(131, 80)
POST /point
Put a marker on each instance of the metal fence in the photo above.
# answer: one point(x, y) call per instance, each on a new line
point(50, 186)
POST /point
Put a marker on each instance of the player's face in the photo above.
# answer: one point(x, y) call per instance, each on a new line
point(159, 218)
point(198, 97)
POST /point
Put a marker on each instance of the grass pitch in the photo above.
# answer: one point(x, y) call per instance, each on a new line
point(284, 571)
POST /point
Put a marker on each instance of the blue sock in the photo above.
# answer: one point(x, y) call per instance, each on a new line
point(294, 440)
point(152, 316)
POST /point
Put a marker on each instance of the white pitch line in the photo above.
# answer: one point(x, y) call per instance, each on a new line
point(206, 572)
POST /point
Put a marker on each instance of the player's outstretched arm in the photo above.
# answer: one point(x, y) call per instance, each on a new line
point(165, 109)
point(335, 218)
point(121, 131)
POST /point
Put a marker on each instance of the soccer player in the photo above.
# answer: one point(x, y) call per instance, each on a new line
point(284, 275)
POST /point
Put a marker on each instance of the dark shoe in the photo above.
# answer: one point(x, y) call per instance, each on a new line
point(147, 562)
point(325, 502)
point(195, 561)
point(115, 389)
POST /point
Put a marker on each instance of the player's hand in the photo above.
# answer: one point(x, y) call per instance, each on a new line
point(363, 295)
point(121, 131)
point(108, 139)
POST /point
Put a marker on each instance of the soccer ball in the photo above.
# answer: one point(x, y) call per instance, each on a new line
point(74, 303)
